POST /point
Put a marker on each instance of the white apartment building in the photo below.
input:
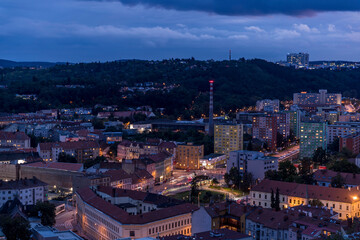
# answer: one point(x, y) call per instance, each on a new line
point(342, 129)
point(28, 191)
point(252, 162)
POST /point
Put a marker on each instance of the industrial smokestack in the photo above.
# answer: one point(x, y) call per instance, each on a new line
point(230, 55)
point(211, 109)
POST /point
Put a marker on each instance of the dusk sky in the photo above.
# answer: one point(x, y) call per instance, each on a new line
point(84, 31)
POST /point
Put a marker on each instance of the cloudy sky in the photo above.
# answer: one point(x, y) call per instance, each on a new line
point(90, 30)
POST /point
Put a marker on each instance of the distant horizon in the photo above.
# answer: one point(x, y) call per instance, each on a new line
point(130, 59)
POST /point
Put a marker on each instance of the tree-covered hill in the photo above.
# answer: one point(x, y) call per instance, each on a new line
point(180, 86)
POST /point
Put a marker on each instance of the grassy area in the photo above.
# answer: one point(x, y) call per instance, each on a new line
point(205, 196)
point(236, 192)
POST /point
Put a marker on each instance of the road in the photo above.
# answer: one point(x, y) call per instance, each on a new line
point(66, 220)
point(288, 153)
point(181, 178)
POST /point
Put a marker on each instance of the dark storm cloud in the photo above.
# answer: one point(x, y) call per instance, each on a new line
point(252, 7)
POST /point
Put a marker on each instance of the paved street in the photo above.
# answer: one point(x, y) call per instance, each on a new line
point(65, 220)
point(288, 153)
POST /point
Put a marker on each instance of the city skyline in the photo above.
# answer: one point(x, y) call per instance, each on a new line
point(85, 31)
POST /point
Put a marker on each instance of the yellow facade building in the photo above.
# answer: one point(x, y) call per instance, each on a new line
point(228, 137)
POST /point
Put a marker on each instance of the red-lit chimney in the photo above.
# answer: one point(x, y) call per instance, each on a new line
point(211, 109)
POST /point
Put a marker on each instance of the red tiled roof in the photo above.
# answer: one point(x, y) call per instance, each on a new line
point(160, 157)
point(310, 191)
point(74, 167)
point(69, 145)
point(13, 136)
point(140, 175)
point(21, 184)
point(88, 196)
point(117, 174)
point(169, 145)
point(326, 175)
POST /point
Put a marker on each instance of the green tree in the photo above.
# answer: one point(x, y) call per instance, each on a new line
point(214, 181)
point(246, 182)
point(287, 171)
point(15, 228)
point(92, 161)
point(63, 157)
point(319, 156)
point(113, 150)
point(334, 146)
point(272, 199)
point(194, 190)
point(273, 175)
point(316, 202)
point(337, 181)
point(305, 176)
point(46, 211)
point(277, 200)
point(343, 166)
point(234, 177)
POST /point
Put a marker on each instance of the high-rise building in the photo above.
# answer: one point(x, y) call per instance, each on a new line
point(188, 156)
point(265, 128)
point(298, 59)
point(282, 123)
point(228, 137)
point(295, 122)
point(312, 136)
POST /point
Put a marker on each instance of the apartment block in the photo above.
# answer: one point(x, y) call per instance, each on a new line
point(295, 122)
point(265, 128)
point(341, 130)
point(350, 142)
point(312, 136)
point(228, 137)
point(81, 150)
point(188, 156)
point(252, 162)
point(28, 191)
point(322, 98)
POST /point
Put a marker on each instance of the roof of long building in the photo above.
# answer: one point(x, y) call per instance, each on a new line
point(309, 191)
point(91, 198)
